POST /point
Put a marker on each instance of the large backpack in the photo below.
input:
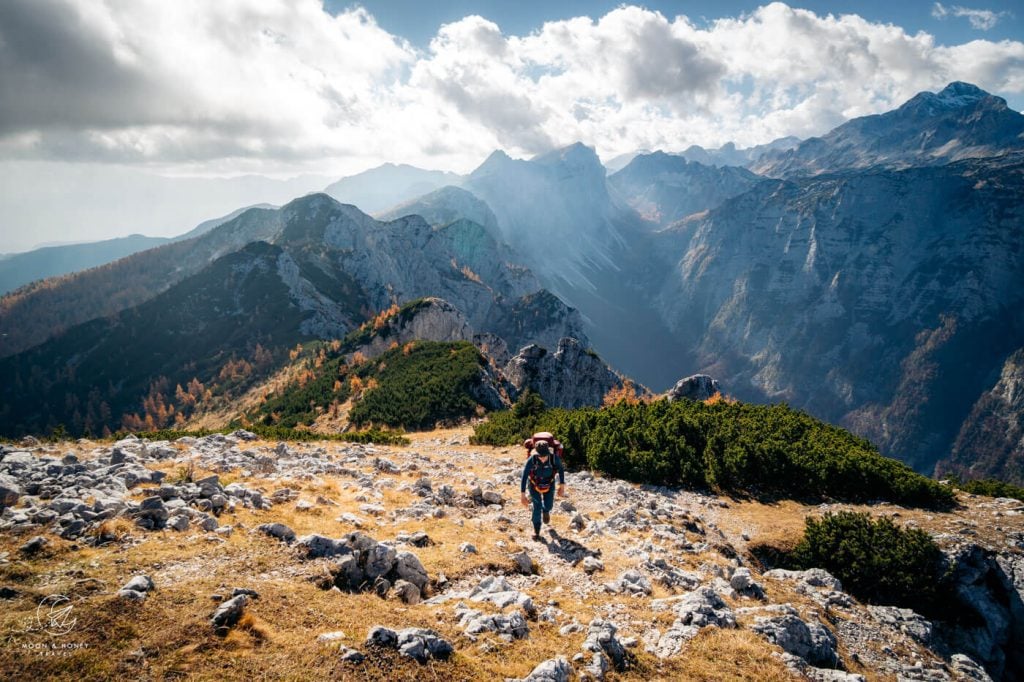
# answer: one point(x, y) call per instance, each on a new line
point(556, 459)
point(545, 437)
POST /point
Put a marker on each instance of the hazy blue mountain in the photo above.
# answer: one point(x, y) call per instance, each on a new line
point(586, 246)
point(21, 268)
point(388, 185)
point(445, 206)
point(729, 155)
point(50, 261)
point(664, 188)
point(44, 308)
point(961, 121)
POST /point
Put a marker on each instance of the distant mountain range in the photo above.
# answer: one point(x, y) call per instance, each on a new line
point(312, 269)
point(872, 276)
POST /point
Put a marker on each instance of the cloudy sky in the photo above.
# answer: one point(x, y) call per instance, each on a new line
point(99, 97)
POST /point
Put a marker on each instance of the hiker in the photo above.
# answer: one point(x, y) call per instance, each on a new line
point(539, 472)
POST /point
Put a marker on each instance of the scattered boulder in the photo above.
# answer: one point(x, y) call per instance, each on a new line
point(407, 592)
point(228, 613)
point(631, 582)
point(592, 564)
point(349, 655)
point(812, 642)
point(407, 566)
point(34, 545)
point(420, 644)
point(966, 668)
point(277, 530)
point(552, 670)
point(318, 546)
point(699, 609)
point(137, 588)
point(10, 491)
point(475, 623)
point(524, 563)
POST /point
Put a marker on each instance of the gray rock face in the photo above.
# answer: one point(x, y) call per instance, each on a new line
point(812, 642)
point(993, 587)
point(572, 376)
point(838, 295)
point(433, 319)
point(667, 187)
point(696, 387)
point(961, 121)
point(990, 443)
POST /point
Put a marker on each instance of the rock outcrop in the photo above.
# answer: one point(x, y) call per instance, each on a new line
point(696, 387)
point(571, 376)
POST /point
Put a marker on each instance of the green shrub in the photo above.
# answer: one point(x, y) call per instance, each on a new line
point(511, 427)
point(278, 433)
point(876, 560)
point(419, 385)
point(990, 488)
point(761, 450)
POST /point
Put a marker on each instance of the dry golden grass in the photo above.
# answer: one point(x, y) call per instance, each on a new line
point(169, 635)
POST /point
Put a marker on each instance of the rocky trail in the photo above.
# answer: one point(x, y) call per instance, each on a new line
point(225, 557)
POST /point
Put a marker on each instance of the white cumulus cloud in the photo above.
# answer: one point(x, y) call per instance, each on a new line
point(981, 19)
point(273, 85)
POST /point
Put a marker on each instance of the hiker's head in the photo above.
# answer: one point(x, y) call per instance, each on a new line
point(542, 450)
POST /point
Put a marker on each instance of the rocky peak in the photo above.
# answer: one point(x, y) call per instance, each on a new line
point(696, 387)
point(572, 376)
point(429, 319)
point(961, 121)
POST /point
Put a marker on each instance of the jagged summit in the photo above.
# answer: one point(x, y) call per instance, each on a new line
point(959, 122)
point(958, 94)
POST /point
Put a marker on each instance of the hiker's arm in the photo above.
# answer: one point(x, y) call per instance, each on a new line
point(522, 484)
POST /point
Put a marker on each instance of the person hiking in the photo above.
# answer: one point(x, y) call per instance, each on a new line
point(539, 472)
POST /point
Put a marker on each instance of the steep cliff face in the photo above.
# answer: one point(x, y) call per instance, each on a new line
point(571, 376)
point(431, 319)
point(991, 441)
point(883, 301)
point(407, 259)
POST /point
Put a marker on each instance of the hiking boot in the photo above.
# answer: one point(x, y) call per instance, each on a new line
point(547, 517)
point(537, 537)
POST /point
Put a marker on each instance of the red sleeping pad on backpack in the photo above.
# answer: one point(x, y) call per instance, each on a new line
point(545, 437)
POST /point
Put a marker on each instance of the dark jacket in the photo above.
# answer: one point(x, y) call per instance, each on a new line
point(543, 472)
